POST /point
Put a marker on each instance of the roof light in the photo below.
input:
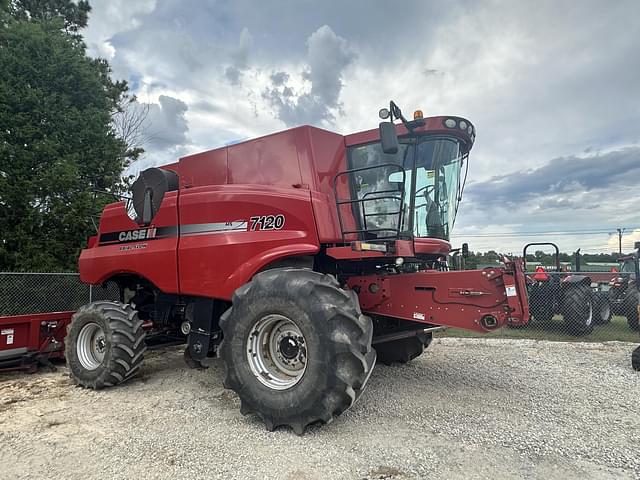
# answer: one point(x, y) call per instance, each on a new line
point(417, 115)
point(450, 123)
point(470, 130)
point(463, 125)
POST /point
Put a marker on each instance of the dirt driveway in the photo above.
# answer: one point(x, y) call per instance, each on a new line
point(468, 408)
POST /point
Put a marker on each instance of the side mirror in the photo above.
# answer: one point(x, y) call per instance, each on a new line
point(388, 138)
point(465, 250)
point(636, 245)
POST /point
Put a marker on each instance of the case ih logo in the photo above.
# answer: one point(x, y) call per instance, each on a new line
point(138, 235)
point(135, 235)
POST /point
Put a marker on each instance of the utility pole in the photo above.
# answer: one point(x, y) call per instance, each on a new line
point(620, 231)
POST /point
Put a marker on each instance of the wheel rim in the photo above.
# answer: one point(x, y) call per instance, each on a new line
point(91, 346)
point(277, 352)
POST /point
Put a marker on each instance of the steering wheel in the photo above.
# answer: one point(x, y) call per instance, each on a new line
point(427, 190)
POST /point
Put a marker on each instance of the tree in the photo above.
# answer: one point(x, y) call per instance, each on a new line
point(57, 144)
point(131, 126)
point(73, 15)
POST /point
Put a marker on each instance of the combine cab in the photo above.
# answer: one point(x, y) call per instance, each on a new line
point(298, 258)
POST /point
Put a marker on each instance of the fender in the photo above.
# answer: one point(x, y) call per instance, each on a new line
point(247, 270)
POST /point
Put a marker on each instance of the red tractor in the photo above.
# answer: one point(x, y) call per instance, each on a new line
point(296, 258)
point(568, 294)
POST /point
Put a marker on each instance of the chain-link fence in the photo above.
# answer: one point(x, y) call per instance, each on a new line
point(585, 306)
point(24, 293)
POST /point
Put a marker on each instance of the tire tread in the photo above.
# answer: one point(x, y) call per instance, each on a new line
point(349, 331)
point(127, 337)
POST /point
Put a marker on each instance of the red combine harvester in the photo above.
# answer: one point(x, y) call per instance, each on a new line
point(297, 258)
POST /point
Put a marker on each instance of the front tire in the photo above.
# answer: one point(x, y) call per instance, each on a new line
point(296, 348)
point(104, 345)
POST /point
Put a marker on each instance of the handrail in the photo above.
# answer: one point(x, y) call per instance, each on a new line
point(362, 201)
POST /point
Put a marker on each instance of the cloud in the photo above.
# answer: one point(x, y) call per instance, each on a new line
point(107, 18)
point(164, 133)
point(547, 88)
point(240, 58)
point(279, 79)
point(166, 123)
point(629, 238)
point(327, 57)
point(592, 194)
point(553, 184)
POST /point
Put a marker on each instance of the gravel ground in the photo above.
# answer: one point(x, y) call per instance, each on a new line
point(468, 408)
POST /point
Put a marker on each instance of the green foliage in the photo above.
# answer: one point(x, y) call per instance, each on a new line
point(479, 259)
point(73, 15)
point(56, 140)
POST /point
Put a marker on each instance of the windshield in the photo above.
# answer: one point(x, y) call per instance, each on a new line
point(393, 202)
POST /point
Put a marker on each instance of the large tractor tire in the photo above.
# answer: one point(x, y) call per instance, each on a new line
point(104, 345)
point(403, 350)
point(630, 308)
point(602, 312)
point(577, 308)
point(296, 348)
point(635, 359)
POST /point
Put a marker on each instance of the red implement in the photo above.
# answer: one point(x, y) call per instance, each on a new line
point(27, 341)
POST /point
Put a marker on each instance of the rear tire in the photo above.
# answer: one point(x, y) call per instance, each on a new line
point(577, 309)
point(403, 350)
point(296, 348)
point(104, 345)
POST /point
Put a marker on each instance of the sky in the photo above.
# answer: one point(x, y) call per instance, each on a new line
point(553, 88)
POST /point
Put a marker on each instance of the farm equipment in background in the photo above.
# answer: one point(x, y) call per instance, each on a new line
point(635, 286)
point(298, 258)
point(563, 293)
point(623, 290)
point(30, 341)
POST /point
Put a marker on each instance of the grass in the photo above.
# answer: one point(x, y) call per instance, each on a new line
point(556, 330)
